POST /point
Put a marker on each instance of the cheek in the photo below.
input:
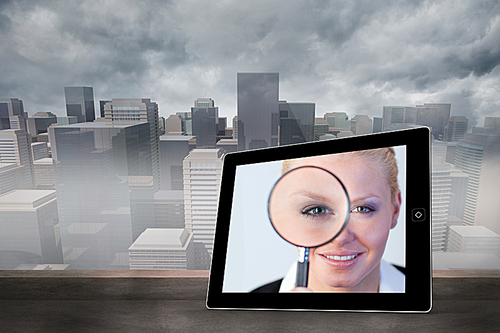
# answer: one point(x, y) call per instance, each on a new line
point(372, 233)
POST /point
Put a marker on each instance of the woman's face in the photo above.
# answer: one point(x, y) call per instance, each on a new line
point(351, 261)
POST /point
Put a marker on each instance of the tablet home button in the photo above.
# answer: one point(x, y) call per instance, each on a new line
point(418, 215)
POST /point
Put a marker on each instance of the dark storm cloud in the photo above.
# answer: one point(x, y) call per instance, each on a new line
point(353, 56)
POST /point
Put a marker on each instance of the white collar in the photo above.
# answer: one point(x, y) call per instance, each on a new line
point(391, 279)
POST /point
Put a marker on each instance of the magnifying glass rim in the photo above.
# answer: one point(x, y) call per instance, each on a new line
point(343, 187)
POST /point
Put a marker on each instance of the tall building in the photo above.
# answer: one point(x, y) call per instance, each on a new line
point(17, 116)
point(296, 122)
point(4, 116)
point(337, 121)
point(162, 249)
point(173, 150)
point(15, 147)
point(40, 121)
point(456, 128)
point(132, 110)
point(174, 125)
point(321, 127)
point(441, 196)
point(398, 117)
point(434, 116)
point(377, 125)
point(80, 103)
point(202, 175)
point(258, 110)
point(29, 230)
point(363, 125)
point(478, 155)
point(205, 117)
point(101, 170)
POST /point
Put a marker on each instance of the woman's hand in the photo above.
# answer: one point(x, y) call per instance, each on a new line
point(302, 290)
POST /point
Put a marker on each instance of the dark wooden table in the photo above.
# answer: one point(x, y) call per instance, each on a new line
point(165, 301)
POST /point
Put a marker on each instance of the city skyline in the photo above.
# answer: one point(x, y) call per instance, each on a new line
point(352, 57)
point(461, 181)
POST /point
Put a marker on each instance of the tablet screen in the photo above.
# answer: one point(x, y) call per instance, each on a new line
point(257, 255)
point(346, 222)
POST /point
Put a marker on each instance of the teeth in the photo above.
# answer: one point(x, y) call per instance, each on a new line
point(343, 258)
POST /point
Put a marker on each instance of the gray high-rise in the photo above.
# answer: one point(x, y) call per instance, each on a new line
point(296, 122)
point(258, 110)
point(99, 169)
point(16, 114)
point(205, 116)
point(80, 103)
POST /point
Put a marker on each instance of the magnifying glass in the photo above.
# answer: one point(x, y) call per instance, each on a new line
point(308, 207)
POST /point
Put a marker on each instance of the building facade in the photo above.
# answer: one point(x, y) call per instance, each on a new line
point(100, 170)
point(258, 110)
point(202, 170)
point(80, 103)
point(296, 122)
point(29, 229)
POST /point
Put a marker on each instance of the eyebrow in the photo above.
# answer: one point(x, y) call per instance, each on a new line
point(365, 197)
point(311, 195)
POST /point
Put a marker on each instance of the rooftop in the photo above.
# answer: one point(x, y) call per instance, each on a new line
point(103, 124)
point(26, 199)
point(176, 137)
point(474, 231)
point(156, 238)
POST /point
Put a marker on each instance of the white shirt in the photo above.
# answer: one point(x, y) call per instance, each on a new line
point(391, 279)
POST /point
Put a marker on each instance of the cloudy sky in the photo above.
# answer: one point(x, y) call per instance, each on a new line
point(353, 56)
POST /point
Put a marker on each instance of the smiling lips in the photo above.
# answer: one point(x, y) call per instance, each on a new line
point(340, 261)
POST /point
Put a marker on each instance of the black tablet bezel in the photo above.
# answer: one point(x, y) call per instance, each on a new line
point(418, 285)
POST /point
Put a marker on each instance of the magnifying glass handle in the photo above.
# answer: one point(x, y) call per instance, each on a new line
point(302, 267)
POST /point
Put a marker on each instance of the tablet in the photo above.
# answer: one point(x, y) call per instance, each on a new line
point(337, 225)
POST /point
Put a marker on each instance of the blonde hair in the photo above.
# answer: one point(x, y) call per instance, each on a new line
point(385, 158)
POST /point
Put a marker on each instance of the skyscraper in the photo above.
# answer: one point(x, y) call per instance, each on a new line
point(441, 188)
point(4, 116)
point(202, 175)
point(478, 155)
point(173, 150)
point(456, 128)
point(17, 116)
point(15, 147)
point(205, 116)
point(488, 196)
point(258, 110)
point(100, 168)
point(131, 110)
point(296, 122)
point(398, 117)
point(363, 124)
point(434, 116)
point(80, 103)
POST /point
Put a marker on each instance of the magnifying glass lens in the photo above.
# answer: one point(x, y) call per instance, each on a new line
point(308, 206)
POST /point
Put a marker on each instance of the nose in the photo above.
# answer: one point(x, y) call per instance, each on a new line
point(345, 237)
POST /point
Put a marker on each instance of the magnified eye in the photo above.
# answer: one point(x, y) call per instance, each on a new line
point(315, 211)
